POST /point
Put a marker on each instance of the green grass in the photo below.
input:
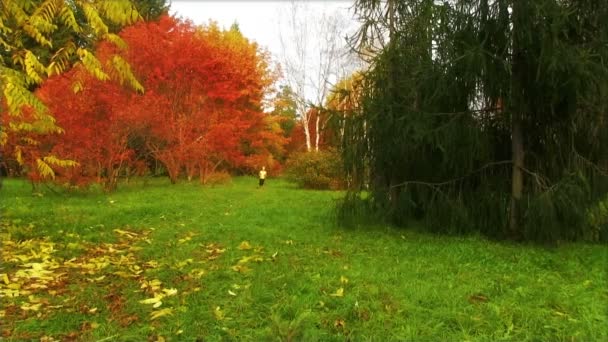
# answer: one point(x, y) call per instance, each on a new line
point(397, 284)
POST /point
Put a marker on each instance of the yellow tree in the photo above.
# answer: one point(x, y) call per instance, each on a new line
point(41, 38)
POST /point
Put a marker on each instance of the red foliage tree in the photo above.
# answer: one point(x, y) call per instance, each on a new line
point(201, 110)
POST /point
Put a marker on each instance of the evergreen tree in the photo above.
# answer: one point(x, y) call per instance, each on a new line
point(484, 115)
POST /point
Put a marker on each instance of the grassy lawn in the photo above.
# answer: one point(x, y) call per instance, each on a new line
point(232, 262)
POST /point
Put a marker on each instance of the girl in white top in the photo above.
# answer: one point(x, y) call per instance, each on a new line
point(262, 176)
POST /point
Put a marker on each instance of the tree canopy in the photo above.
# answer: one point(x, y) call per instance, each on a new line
point(45, 38)
point(483, 115)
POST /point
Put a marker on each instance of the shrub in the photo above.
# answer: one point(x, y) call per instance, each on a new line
point(316, 170)
point(216, 178)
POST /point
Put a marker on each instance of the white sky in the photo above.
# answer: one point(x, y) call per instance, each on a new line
point(258, 20)
point(261, 21)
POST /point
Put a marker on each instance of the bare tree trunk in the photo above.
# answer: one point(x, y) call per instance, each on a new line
point(317, 133)
point(305, 122)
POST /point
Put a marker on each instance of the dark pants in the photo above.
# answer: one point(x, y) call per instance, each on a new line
point(262, 181)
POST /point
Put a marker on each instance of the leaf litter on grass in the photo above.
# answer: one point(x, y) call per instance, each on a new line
point(36, 281)
point(39, 279)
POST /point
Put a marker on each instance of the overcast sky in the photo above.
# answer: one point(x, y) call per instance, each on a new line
point(258, 20)
point(265, 21)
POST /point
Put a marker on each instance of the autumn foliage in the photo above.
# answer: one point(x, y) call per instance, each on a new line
point(201, 111)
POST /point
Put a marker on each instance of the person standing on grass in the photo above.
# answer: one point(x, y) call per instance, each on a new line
point(262, 176)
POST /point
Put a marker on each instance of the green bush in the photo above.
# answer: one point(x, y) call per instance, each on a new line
point(316, 170)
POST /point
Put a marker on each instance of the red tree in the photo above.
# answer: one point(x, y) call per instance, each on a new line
point(201, 110)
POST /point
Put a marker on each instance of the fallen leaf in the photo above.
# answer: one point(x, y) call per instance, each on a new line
point(186, 239)
point(161, 313)
point(244, 246)
point(339, 293)
point(153, 300)
point(157, 304)
point(241, 268)
point(218, 313)
point(340, 324)
point(478, 298)
point(197, 273)
point(125, 233)
point(231, 293)
point(30, 307)
point(170, 292)
point(343, 280)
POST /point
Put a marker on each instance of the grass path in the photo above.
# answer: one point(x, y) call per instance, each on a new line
point(234, 262)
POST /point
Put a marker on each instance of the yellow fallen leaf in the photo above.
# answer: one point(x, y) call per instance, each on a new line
point(181, 264)
point(197, 273)
point(123, 274)
point(170, 292)
point(187, 238)
point(160, 313)
point(343, 280)
point(244, 246)
point(153, 285)
point(231, 293)
point(93, 310)
point(2, 313)
point(94, 325)
point(157, 304)
point(153, 300)
point(339, 293)
point(179, 332)
point(125, 233)
point(5, 278)
point(218, 313)
point(32, 307)
point(241, 268)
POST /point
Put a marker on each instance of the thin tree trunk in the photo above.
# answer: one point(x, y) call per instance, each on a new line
point(393, 193)
point(317, 133)
point(517, 134)
point(517, 177)
point(307, 135)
